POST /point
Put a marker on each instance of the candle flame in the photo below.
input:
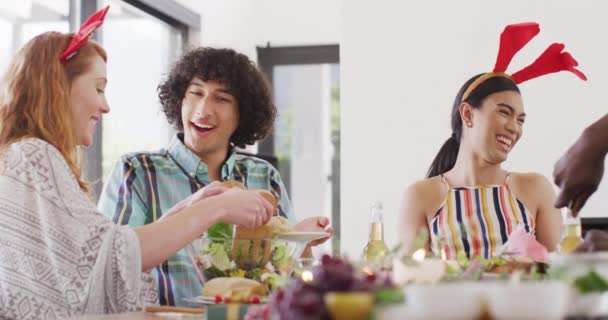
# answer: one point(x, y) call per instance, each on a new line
point(307, 276)
point(418, 255)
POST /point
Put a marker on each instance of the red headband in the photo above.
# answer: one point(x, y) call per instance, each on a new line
point(513, 38)
point(83, 35)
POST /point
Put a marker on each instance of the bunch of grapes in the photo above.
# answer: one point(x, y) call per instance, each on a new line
point(304, 301)
point(301, 301)
point(333, 274)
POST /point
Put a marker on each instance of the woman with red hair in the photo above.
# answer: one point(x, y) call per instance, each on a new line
point(60, 257)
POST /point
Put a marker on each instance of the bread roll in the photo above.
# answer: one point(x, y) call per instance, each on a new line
point(271, 198)
point(233, 184)
point(266, 194)
point(279, 225)
point(236, 288)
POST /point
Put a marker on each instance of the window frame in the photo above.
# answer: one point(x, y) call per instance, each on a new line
point(270, 57)
point(171, 12)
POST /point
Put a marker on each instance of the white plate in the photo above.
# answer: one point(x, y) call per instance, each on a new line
point(302, 235)
point(201, 300)
point(585, 258)
point(211, 300)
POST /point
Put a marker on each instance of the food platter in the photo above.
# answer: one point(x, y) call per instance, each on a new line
point(302, 236)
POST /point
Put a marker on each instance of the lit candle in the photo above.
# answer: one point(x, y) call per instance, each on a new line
point(419, 255)
point(426, 270)
point(444, 255)
point(307, 276)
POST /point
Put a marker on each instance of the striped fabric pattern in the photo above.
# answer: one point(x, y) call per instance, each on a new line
point(477, 220)
point(145, 185)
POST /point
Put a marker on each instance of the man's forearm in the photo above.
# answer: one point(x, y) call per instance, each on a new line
point(598, 133)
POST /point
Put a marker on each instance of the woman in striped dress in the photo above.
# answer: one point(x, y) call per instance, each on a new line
point(468, 202)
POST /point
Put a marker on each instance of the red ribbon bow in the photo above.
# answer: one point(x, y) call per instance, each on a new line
point(516, 36)
point(512, 39)
point(83, 35)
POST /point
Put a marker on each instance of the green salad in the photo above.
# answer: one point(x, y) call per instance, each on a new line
point(216, 258)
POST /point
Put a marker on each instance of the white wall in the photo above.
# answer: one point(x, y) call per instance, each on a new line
point(245, 24)
point(402, 64)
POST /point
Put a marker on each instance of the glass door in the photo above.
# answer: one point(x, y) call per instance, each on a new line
point(306, 135)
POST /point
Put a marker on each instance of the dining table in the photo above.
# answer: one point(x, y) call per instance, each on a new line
point(154, 313)
point(145, 316)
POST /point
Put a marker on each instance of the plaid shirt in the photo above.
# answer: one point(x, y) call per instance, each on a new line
point(143, 186)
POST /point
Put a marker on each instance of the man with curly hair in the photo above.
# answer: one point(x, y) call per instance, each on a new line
point(217, 100)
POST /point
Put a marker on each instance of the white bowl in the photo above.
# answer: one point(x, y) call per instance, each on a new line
point(459, 300)
point(589, 305)
point(579, 264)
point(528, 300)
point(601, 308)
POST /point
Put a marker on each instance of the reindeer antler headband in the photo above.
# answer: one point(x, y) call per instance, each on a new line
point(513, 38)
point(83, 35)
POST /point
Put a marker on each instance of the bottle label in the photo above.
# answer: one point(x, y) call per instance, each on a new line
point(376, 232)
